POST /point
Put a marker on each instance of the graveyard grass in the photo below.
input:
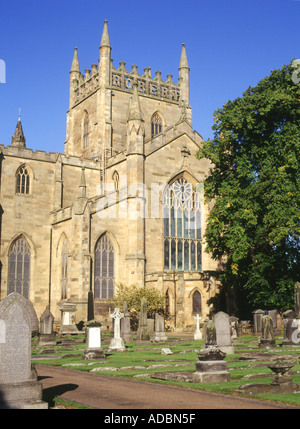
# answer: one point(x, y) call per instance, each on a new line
point(142, 361)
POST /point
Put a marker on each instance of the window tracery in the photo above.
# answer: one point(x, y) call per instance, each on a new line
point(182, 227)
point(19, 267)
point(23, 181)
point(156, 124)
point(104, 276)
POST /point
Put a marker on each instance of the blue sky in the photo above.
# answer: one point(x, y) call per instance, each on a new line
point(230, 45)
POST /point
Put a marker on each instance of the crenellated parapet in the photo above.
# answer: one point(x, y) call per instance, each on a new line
point(122, 79)
point(86, 85)
point(146, 85)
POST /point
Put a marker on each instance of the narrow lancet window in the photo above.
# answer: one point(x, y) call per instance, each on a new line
point(104, 275)
point(156, 124)
point(86, 130)
point(23, 181)
point(19, 267)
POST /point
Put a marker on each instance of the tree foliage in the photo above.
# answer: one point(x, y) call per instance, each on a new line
point(133, 296)
point(254, 183)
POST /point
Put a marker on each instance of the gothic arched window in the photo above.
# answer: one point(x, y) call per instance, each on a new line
point(64, 269)
point(196, 302)
point(19, 267)
point(86, 130)
point(104, 274)
point(182, 227)
point(116, 180)
point(23, 180)
point(156, 124)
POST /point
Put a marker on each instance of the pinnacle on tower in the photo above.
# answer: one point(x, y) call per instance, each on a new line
point(82, 186)
point(75, 64)
point(105, 36)
point(18, 139)
point(135, 112)
point(183, 59)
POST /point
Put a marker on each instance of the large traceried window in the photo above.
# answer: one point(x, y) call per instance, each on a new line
point(23, 181)
point(19, 267)
point(104, 274)
point(182, 227)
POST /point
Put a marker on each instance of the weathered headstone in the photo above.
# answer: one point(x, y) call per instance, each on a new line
point(273, 314)
point(143, 329)
point(197, 333)
point(257, 316)
point(159, 332)
point(18, 381)
point(117, 344)
point(222, 323)
point(210, 334)
point(93, 348)
point(233, 327)
point(126, 334)
point(47, 334)
point(291, 329)
point(211, 366)
point(267, 332)
point(68, 318)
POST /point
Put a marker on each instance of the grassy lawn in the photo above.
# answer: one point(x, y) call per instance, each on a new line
point(143, 360)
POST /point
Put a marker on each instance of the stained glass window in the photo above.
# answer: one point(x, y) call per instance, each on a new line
point(182, 227)
point(104, 275)
point(22, 181)
point(19, 267)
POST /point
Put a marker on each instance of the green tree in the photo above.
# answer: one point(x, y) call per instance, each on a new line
point(254, 223)
point(133, 296)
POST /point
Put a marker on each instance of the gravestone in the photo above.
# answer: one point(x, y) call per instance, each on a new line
point(210, 334)
point(126, 334)
point(257, 316)
point(68, 318)
point(18, 381)
point(150, 324)
point(47, 334)
point(234, 327)
point(143, 335)
point(93, 348)
point(197, 333)
point(159, 333)
point(273, 314)
point(211, 366)
point(267, 332)
point(117, 344)
point(291, 328)
point(223, 335)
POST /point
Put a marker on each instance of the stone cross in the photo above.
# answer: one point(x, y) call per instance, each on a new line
point(197, 334)
point(117, 344)
point(117, 316)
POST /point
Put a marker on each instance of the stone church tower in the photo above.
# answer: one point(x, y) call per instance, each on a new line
point(122, 204)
